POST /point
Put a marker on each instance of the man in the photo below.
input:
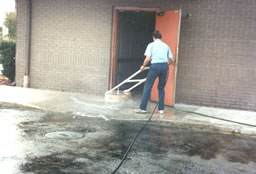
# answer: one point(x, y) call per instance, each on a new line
point(159, 54)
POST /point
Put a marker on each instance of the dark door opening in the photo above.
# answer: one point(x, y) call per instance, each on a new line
point(134, 33)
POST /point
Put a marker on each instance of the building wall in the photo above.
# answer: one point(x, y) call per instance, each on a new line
point(71, 43)
point(70, 46)
point(217, 55)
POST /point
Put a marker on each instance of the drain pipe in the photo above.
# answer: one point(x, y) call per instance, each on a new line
point(26, 80)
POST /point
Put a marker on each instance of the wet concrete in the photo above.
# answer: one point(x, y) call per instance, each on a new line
point(95, 107)
point(161, 148)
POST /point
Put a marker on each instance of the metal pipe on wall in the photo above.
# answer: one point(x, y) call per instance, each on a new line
point(26, 81)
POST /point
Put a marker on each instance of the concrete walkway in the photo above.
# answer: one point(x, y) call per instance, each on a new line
point(94, 106)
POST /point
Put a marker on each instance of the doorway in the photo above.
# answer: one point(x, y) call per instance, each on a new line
point(131, 33)
point(134, 33)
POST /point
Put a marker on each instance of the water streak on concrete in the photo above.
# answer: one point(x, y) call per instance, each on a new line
point(91, 116)
point(94, 105)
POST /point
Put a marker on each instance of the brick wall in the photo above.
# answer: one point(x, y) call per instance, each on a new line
point(70, 46)
point(71, 43)
point(217, 55)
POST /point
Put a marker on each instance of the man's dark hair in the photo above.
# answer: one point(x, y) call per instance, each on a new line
point(157, 35)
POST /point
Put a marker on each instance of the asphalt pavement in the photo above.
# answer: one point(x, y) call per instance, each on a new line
point(43, 142)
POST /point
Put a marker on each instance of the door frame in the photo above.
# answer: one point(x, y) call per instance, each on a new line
point(114, 39)
point(176, 57)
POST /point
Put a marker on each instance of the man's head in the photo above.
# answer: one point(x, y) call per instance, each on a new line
point(156, 35)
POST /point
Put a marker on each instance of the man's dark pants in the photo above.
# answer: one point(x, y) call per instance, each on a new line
point(156, 70)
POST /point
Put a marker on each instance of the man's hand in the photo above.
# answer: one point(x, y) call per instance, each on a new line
point(146, 61)
point(142, 67)
point(173, 62)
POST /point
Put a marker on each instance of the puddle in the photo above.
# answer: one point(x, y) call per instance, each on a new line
point(65, 135)
point(13, 148)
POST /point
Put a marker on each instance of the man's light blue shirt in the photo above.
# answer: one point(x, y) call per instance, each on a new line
point(158, 51)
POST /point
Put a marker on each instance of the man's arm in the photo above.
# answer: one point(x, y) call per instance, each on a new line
point(146, 61)
point(171, 58)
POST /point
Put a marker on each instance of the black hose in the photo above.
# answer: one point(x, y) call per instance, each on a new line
point(134, 139)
